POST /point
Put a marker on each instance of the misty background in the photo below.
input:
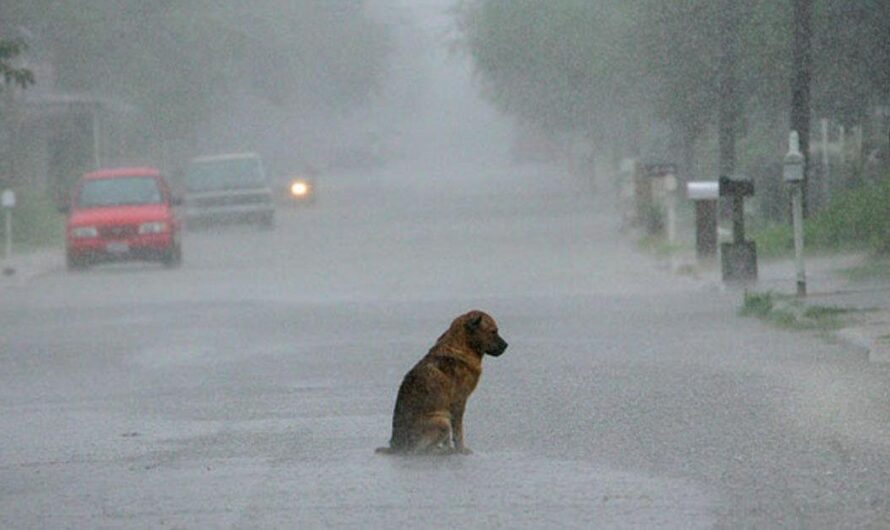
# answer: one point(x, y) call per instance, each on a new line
point(336, 86)
point(327, 84)
point(465, 154)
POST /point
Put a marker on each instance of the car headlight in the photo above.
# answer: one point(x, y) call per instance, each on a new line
point(156, 227)
point(299, 189)
point(84, 231)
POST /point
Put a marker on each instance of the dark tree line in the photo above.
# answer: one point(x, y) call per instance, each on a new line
point(9, 72)
point(602, 67)
point(176, 61)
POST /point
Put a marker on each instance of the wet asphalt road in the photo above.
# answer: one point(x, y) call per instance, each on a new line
point(250, 387)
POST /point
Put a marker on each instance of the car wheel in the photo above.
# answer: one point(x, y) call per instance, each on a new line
point(172, 258)
point(74, 263)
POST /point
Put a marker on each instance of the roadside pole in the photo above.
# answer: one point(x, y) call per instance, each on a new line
point(793, 174)
point(826, 168)
point(670, 186)
point(7, 202)
point(705, 196)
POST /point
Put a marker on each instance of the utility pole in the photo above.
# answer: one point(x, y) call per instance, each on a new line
point(728, 112)
point(802, 60)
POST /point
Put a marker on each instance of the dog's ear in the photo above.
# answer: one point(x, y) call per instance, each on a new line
point(474, 322)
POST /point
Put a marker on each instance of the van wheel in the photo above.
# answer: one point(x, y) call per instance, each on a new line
point(267, 221)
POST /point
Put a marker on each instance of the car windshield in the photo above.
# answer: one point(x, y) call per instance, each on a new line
point(119, 191)
point(212, 175)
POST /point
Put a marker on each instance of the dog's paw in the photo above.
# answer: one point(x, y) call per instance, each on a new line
point(463, 451)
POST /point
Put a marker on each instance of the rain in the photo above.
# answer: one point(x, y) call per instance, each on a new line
point(235, 234)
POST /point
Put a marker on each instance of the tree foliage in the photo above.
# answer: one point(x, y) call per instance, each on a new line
point(562, 64)
point(175, 60)
point(9, 50)
point(567, 64)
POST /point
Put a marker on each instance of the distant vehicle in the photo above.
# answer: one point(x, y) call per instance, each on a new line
point(122, 214)
point(230, 187)
point(300, 189)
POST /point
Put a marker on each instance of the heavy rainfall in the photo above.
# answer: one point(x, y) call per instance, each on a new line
point(230, 230)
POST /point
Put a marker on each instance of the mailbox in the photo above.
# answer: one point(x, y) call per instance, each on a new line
point(7, 199)
point(739, 258)
point(736, 187)
point(704, 194)
point(702, 191)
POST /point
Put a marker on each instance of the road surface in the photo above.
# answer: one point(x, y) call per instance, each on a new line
point(249, 388)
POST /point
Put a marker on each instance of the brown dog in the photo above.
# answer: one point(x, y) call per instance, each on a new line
point(428, 416)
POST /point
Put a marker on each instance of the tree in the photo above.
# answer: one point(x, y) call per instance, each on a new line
point(182, 65)
point(9, 50)
point(563, 65)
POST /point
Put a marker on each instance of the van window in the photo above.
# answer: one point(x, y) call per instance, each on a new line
point(214, 175)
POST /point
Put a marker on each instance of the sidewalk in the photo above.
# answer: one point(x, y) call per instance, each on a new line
point(866, 320)
point(21, 268)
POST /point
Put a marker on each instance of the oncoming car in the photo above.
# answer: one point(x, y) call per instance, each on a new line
point(229, 187)
point(300, 190)
point(122, 214)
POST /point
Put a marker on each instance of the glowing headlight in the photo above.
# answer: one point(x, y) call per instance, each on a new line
point(299, 188)
point(84, 231)
point(157, 227)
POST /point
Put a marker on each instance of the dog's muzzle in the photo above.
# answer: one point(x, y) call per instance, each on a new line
point(499, 349)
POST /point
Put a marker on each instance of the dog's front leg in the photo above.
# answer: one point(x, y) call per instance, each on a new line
point(457, 430)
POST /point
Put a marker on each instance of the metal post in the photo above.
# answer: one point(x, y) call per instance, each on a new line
point(826, 170)
point(670, 185)
point(842, 140)
point(738, 219)
point(8, 247)
point(705, 196)
point(706, 229)
point(97, 141)
point(797, 219)
point(7, 203)
point(793, 173)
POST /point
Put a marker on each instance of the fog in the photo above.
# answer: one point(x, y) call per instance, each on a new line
point(348, 181)
point(426, 113)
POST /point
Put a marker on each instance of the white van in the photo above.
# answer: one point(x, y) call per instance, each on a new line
point(230, 187)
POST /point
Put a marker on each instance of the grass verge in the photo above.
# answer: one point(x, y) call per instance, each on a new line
point(788, 312)
point(659, 246)
point(858, 219)
point(874, 268)
point(35, 222)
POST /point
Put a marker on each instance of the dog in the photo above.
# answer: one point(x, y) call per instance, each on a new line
point(429, 410)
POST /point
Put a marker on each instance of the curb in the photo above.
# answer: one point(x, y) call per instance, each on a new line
point(876, 347)
point(854, 338)
point(871, 337)
point(22, 268)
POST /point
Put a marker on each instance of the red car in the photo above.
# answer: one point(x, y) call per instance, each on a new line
point(122, 214)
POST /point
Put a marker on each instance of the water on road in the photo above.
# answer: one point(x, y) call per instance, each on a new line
point(250, 387)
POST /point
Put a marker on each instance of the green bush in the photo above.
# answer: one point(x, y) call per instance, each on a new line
point(35, 221)
point(789, 312)
point(857, 219)
point(757, 304)
point(774, 241)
